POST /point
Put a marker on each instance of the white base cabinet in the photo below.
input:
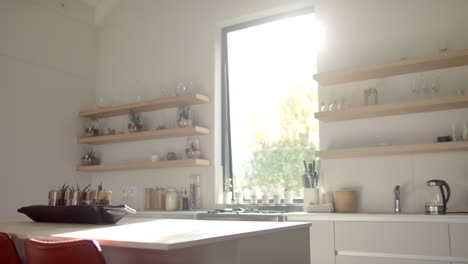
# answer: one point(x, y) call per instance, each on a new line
point(373, 260)
point(367, 242)
point(425, 239)
point(459, 240)
point(322, 243)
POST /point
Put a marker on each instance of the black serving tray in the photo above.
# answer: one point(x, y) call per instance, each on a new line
point(78, 214)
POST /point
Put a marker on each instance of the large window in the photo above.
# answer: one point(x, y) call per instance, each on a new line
point(269, 103)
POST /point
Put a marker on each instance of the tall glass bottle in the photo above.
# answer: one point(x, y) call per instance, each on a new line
point(195, 195)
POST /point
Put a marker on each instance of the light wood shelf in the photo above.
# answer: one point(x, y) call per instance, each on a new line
point(161, 103)
point(151, 134)
point(146, 165)
point(430, 105)
point(419, 64)
point(394, 150)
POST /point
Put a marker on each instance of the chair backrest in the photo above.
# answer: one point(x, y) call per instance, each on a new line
point(58, 252)
point(8, 252)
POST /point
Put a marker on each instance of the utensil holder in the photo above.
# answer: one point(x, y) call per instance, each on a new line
point(311, 196)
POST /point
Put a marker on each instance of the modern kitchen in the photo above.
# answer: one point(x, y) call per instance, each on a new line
point(220, 131)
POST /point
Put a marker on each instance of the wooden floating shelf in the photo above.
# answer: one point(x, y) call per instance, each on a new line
point(394, 150)
point(431, 105)
point(146, 165)
point(161, 103)
point(418, 64)
point(151, 134)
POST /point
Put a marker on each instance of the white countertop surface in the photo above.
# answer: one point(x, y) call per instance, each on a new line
point(162, 234)
point(379, 217)
point(365, 217)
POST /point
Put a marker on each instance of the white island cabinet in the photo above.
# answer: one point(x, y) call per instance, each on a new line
point(144, 240)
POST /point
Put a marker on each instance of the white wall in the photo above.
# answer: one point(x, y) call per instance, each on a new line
point(145, 44)
point(370, 32)
point(47, 75)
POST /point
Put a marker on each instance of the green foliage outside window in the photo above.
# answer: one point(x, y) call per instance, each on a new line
point(276, 162)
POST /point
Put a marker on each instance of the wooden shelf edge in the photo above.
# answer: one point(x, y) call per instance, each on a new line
point(145, 135)
point(394, 150)
point(160, 103)
point(420, 106)
point(146, 165)
point(418, 64)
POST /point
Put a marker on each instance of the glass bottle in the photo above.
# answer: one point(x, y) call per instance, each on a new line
point(195, 198)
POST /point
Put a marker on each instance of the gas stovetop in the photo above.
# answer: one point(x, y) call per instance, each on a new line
point(246, 211)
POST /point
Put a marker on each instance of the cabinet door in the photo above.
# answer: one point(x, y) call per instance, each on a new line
point(322, 243)
point(426, 239)
point(372, 260)
point(459, 240)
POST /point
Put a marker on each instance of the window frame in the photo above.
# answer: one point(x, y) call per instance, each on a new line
point(226, 154)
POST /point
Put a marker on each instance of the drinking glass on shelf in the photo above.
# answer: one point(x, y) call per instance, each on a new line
point(333, 106)
point(461, 91)
point(165, 91)
point(465, 131)
point(342, 104)
point(435, 86)
point(454, 132)
point(181, 88)
point(323, 107)
point(420, 89)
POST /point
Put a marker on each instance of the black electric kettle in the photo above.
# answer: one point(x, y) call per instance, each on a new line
point(437, 195)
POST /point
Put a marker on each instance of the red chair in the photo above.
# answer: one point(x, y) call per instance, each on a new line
point(61, 252)
point(8, 252)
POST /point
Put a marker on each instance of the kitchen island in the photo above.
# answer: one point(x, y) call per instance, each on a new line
point(145, 240)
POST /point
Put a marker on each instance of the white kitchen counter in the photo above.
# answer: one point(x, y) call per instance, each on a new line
point(178, 241)
point(376, 217)
point(161, 234)
point(301, 216)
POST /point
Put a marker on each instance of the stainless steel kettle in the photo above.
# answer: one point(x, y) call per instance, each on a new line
point(437, 195)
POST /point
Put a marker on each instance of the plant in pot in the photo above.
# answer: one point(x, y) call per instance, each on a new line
point(89, 159)
point(135, 121)
point(84, 196)
point(227, 194)
point(63, 195)
point(104, 197)
point(184, 116)
point(288, 192)
point(192, 148)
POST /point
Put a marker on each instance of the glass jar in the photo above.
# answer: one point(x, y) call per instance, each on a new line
point(171, 200)
point(159, 199)
point(192, 148)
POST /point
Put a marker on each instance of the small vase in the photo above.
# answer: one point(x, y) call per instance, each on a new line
point(104, 197)
point(134, 128)
point(184, 116)
point(239, 198)
point(288, 197)
point(192, 148)
point(253, 199)
point(265, 199)
point(277, 198)
point(184, 123)
point(227, 197)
